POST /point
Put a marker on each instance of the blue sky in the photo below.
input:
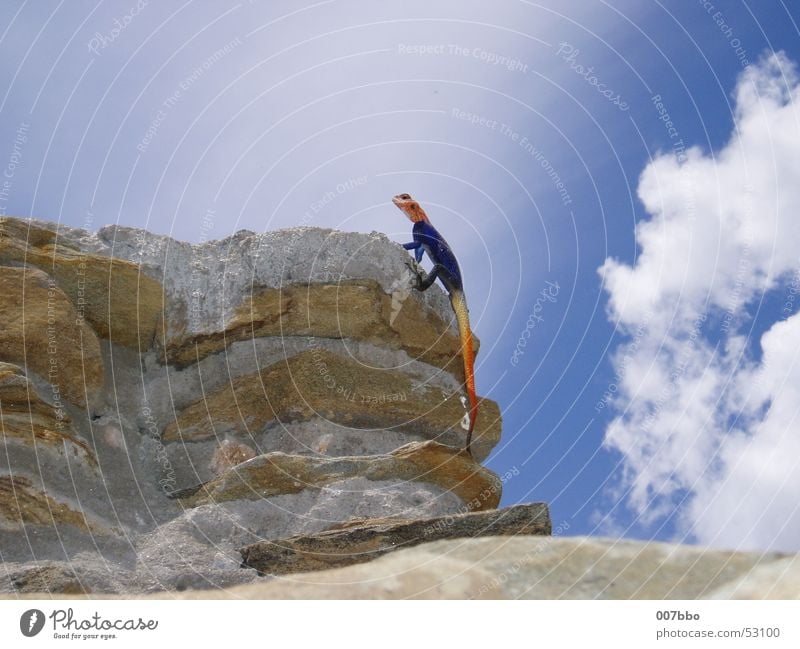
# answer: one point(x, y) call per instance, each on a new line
point(634, 162)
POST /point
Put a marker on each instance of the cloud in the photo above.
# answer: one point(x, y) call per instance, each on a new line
point(708, 416)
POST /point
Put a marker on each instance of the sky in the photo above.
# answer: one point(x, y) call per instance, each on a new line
point(618, 179)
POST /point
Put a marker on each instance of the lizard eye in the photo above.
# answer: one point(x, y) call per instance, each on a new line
point(405, 197)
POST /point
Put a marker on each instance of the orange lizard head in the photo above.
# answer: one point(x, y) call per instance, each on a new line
point(412, 209)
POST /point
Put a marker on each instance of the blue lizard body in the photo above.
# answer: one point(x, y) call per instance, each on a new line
point(427, 239)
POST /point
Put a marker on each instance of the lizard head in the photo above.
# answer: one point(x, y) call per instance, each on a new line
point(412, 209)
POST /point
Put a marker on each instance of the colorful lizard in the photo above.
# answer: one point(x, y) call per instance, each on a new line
point(445, 268)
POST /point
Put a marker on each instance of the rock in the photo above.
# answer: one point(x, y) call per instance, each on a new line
point(522, 567)
point(229, 454)
point(597, 568)
point(170, 388)
point(279, 473)
point(364, 540)
point(23, 503)
point(76, 577)
point(40, 329)
point(320, 384)
point(178, 556)
point(397, 576)
point(209, 536)
point(28, 420)
point(210, 287)
point(779, 579)
point(113, 295)
point(295, 374)
point(353, 309)
point(54, 498)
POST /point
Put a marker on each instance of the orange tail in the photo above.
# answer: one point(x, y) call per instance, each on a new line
point(459, 303)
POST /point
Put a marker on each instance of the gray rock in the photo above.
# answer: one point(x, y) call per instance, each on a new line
point(182, 553)
point(530, 567)
point(110, 494)
point(224, 272)
point(779, 579)
point(83, 574)
point(365, 540)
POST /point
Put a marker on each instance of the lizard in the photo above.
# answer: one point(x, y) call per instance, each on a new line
point(446, 269)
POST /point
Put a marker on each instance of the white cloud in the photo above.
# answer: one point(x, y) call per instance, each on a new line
point(697, 412)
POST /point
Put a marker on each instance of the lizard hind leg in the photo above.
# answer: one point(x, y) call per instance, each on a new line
point(426, 282)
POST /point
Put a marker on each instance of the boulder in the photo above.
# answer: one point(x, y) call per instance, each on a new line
point(360, 541)
point(534, 567)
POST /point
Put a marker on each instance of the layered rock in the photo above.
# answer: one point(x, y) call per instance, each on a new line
point(321, 385)
point(283, 397)
point(42, 513)
point(347, 309)
point(111, 293)
point(212, 396)
point(495, 567)
point(360, 541)
point(28, 420)
point(40, 328)
point(278, 473)
point(531, 567)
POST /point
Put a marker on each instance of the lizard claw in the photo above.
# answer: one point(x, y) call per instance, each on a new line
point(416, 273)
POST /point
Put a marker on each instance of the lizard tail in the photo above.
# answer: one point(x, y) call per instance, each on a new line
point(459, 303)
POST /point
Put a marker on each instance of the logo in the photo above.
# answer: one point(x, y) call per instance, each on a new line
point(31, 622)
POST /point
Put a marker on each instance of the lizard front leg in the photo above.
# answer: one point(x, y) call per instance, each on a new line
point(416, 246)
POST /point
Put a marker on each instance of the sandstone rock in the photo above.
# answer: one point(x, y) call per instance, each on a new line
point(22, 503)
point(202, 544)
point(397, 576)
point(39, 328)
point(526, 567)
point(173, 327)
point(353, 309)
point(171, 389)
point(208, 285)
point(278, 473)
point(27, 419)
point(778, 579)
point(80, 576)
point(229, 454)
point(364, 540)
point(321, 384)
point(522, 567)
point(54, 495)
point(596, 568)
point(113, 295)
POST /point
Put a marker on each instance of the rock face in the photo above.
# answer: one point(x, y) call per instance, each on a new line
point(365, 540)
point(40, 327)
point(530, 567)
point(164, 405)
point(277, 474)
point(167, 410)
point(111, 293)
point(322, 384)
